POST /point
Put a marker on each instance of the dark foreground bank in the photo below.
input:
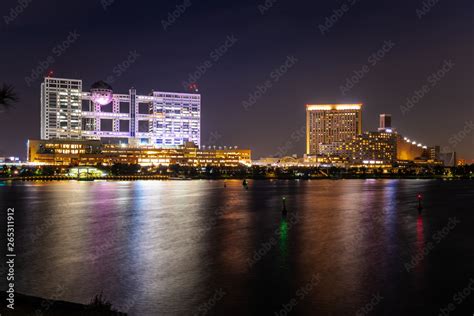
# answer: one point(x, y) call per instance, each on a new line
point(32, 305)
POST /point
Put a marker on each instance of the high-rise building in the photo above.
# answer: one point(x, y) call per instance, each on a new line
point(327, 124)
point(161, 119)
point(61, 108)
point(385, 123)
point(434, 152)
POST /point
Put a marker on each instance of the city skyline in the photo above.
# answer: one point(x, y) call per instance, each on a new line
point(257, 101)
point(71, 112)
point(255, 157)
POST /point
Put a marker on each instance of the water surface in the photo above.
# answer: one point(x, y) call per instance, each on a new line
point(196, 247)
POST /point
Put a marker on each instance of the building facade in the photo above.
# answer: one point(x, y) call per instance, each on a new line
point(161, 119)
point(93, 152)
point(61, 108)
point(409, 150)
point(385, 123)
point(371, 148)
point(327, 124)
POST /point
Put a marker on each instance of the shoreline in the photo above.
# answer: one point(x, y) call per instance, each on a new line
point(34, 305)
point(163, 178)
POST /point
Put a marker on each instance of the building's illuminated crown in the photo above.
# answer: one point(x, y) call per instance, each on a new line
point(329, 107)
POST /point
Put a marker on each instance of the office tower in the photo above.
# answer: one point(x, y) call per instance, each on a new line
point(161, 119)
point(61, 108)
point(329, 125)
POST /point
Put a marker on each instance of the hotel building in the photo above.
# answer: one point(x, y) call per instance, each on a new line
point(371, 148)
point(330, 125)
point(385, 123)
point(381, 148)
point(162, 119)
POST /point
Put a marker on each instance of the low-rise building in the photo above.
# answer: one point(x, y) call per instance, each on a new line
point(371, 148)
point(93, 152)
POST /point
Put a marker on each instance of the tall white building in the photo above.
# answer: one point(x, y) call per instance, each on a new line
point(161, 119)
point(61, 108)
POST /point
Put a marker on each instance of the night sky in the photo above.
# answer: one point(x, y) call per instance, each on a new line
point(322, 59)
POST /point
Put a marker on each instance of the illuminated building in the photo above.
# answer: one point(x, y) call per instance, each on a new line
point(434, 152)
point(370, 148)
point(385, 123)
point(409, 149)
point(331, 123)
point(374, 149)
point(93, 152)
point(61, 108)
point(161, 119)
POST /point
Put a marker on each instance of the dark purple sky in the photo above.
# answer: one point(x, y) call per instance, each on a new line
point(418, 45)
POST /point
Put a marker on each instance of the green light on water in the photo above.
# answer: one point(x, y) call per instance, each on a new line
point(283, 229)
point(283, 242)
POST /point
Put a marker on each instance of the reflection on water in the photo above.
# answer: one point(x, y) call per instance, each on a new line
point(164, 247)
point(283, 242)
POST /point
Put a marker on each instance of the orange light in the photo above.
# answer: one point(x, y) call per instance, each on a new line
point(328, 107)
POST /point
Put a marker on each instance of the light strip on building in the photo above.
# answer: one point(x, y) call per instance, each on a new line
point(328, 107)
point(348, 106)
